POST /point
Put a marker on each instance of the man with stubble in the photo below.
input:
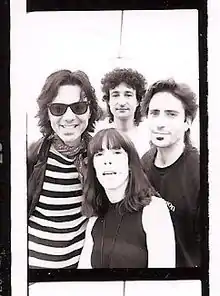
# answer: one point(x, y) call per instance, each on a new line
point(172, 164)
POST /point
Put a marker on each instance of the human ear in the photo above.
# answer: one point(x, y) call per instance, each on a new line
point(188, 123)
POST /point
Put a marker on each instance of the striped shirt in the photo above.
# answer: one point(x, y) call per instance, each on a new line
point(56, 228)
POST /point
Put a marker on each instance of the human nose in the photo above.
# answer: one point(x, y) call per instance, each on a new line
point(107, 159)
point(161, 121)
point(69, 115)
point(107, 162)
point(122, 100)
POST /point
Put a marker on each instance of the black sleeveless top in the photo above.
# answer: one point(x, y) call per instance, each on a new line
point(119, 240)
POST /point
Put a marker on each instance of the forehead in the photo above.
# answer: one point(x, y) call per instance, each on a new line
point(166, 101)
point(122, 87)
point(106, 148)
point(68, 94)
point(110, 146)
point(109, 143)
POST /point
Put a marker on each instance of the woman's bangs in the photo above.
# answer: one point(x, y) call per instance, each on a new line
point(95, 144)
point(112, 140)
point(108, 138)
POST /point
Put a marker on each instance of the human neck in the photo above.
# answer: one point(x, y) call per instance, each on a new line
point(116, 194)
point(73, 144)
point(124, 125)
point(166, 156)
point(69, 149)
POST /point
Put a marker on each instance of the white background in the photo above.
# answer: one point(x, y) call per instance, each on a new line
point(131, 288)
point(160, 44)
point(28, 72)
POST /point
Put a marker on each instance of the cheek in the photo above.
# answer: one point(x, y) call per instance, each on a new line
point(135, 103)
point(150, 123)
point(123, 165)
point(84, 119)
point(54, 120)
point(113, 102)
point(177, 126)
point(98, 164)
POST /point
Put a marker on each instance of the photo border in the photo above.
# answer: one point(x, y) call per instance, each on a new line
point(137, 274)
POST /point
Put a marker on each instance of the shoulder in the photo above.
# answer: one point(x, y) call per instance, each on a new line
point(34, 147)
point(155, 215)
point(192, 154)
point(149, 156)
point(156, 204)
point(40, 147)
point(192, 161)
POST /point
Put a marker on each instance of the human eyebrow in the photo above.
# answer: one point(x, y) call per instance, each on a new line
point(114, 92)
point(98, 153)
point(129, 92)
point(117, 151)
point(154, 111)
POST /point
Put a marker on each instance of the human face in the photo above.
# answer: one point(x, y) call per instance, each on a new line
point(69, 126)
point(111, 166)
point(123, 101)
point(166, 119)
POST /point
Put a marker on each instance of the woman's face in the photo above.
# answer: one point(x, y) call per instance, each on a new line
point(70, 125)
point(111, 166)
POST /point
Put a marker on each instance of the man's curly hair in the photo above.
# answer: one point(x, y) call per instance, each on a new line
point(132, 78)
point(50, 91)
point(179, 90)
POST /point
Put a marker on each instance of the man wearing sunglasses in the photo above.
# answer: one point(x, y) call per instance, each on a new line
point(56, 169)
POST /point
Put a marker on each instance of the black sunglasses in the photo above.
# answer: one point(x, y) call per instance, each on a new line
point(58, 109)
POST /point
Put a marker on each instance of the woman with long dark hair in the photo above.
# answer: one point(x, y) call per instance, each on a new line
point(130, 225)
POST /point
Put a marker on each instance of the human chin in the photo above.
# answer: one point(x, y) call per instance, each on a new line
point(121, 115)
point(111, 182)
point(70, 134)
point(160, 141)
point(122, 111)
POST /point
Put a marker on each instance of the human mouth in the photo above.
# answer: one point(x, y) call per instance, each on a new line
point(122, 109)
point(109, 173)
point(69, 126)
point(160, 136)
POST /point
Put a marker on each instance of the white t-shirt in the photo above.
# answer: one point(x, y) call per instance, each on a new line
point(139, 135)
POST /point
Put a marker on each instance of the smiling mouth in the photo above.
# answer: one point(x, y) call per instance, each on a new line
point(109, 173)
point(69, 126)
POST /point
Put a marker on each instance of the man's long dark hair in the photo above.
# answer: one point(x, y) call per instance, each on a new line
point(50, 91)
point(139, 190)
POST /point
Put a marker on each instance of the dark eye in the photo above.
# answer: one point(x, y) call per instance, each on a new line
point(100, 153)
point(117, 151)
point(58, 108)
point(114, 95)
point(78, 107)
point(172, 114)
